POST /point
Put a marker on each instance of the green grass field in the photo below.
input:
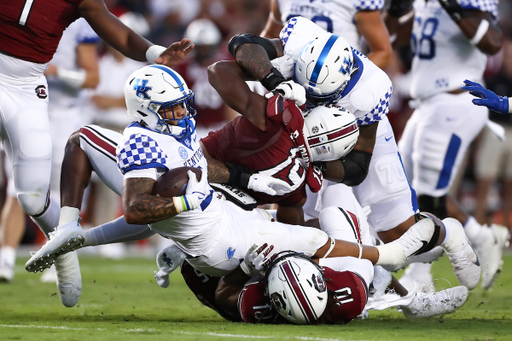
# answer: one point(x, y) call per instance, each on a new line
point(121, 301)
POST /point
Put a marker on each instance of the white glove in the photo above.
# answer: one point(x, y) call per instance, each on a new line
point(168, 260)
point(268, 185)
point(195, 194)
point(257, 259)
point(291, 90)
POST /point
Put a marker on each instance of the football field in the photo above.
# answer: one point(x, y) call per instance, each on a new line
point(121, 301)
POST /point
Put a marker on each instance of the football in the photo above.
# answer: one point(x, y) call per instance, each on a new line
point(173, 183)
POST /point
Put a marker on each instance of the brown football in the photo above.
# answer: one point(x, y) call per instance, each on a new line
point(173, 183)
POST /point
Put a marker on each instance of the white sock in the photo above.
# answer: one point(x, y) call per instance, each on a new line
point(49, 219)
point(68, 214)
point(391, 256)
point(476, 232)
point(7, 256)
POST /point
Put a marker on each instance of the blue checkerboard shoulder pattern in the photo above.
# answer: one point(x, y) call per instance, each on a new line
point(490, 6)
point(380, 110)
point(369, 5)
point(287, 31)
point(138, 152)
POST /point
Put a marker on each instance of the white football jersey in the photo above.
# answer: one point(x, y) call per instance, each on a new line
point(335, 16)
point(443, 55)
point(141, 148)
point(368, 92)
point(79, 32)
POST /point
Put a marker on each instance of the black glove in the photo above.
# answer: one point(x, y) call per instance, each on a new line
point(398, 8)
point(454, 10)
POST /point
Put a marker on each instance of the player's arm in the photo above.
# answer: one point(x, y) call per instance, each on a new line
point(353, 168)
point(372, 28)
point(126, 41)
point(274, 25)
point(228, 291)
point(479, 27)
point(399, 21)
point(228, 78)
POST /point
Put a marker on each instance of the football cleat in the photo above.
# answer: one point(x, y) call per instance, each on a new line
point(437, 303)
point(69, 279)
point(64, 239)
point(418, 275)
point(490, 252)
point(461, 254)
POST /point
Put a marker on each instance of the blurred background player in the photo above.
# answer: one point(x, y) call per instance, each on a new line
point(212, 112)
point(29, 36)
point(358, 21)
point(450, 42)
point(74, 67)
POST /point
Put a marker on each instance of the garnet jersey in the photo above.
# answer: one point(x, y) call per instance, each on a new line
point(277, 151)
point(348, 294)
point(31, 30)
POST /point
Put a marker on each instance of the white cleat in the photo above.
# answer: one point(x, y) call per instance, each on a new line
point(461, 254)
point(65, 238)
point(6, 273)
point(437, 303)
point(69, 279)
point(418, 275)
point(490, 252)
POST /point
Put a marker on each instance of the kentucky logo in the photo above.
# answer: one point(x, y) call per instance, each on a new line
point(41, 91)
point(141, 90)
point(231, 252)
point(346, 67)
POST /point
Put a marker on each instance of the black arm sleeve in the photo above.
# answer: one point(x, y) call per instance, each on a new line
point(248, 38)
point(356, 165)
point(238, 176)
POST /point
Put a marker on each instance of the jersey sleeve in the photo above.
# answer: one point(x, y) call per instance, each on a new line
point(490, 6)
point(369, 5)
point(138, 151)
point(85, 33)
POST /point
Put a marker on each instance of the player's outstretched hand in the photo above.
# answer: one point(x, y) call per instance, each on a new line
point(257, 259)
point(486, 97)
point(291, 90)
point(268, 185)
point(175, 53)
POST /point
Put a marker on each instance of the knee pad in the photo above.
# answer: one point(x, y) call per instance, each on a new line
point(434, 205)
point(33, 203)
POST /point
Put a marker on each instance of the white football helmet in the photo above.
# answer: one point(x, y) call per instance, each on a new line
point(157, 86)
point(297, 288)
point(324, 68)
point(203, 32)
point(329, 132)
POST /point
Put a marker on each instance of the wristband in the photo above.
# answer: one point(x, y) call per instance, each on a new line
point(74, 79)
point(331, 247)
point(154, 52)
point(272, 79)
point(238, 176)
point(181, 204)
point(480, 32)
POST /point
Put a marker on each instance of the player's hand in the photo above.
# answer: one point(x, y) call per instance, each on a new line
point(168, 260)
point(175, 53)
point(268, 185)
point(196, 193)
point(486, 97)
point(293, 91)
point(453, 8)
point(257, 259)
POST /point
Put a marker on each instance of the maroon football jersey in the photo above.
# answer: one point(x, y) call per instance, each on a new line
point(31, 30)
point(279, 149)
point(255, 307)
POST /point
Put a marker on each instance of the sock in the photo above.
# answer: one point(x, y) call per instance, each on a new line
point(49, 219)
point(68, 214)
point(116, 231)
point(476, 232)
point(7, 256)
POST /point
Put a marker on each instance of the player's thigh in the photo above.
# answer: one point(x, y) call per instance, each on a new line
point(100, 146)
point(449, 124)
point(386, 188)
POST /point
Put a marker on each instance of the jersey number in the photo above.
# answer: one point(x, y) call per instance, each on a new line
point(27, 7)
point(425, 47)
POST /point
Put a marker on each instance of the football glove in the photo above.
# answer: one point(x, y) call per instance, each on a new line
point(454, 10)
point(167, 261)
point(487, 98)
point(268, 185)
point(195, 194)
point(292, 91)
point(257, 259)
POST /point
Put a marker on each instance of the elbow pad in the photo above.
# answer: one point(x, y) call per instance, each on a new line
point(248, 38)
point(356, 165)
